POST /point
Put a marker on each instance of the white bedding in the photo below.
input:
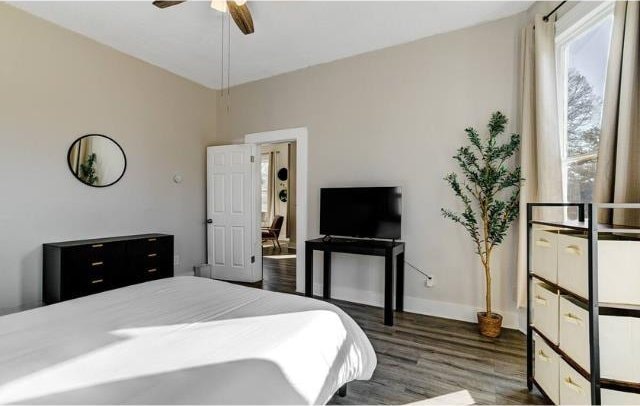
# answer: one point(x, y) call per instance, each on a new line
point(181, 340)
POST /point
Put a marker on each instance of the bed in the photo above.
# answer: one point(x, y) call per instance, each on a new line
point(182, 340)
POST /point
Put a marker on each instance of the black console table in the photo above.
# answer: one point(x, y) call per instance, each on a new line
point(391, 251)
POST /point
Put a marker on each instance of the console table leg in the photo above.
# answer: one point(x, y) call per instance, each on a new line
point(388, 289)
point(326, 283)
point(308, 272)
point(400, 282)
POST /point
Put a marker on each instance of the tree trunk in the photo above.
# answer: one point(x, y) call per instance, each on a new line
point(487, 258)
point(487, 274)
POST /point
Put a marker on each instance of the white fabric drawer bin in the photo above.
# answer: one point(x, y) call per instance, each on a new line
point(618, 267)
point(574, 332)
point(546, 368)
point(544, 257)
point(573, 265)
point(615, 397)
point(618, 270)
point(545, 310)
point(620, 348)
point(574, 388)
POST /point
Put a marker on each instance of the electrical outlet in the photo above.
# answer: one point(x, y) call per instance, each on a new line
point(176, 260)
point(430, 282)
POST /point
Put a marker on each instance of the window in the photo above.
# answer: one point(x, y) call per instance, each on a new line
point(265, 169)
point(582, 45)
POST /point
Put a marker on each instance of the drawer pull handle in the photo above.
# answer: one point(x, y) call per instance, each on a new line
point(541, 242)
point(97, 263)
point(152, 255)
point(541, 300)
point(543, 357)
point(574, 386)
point(97, 281)
point(152, 270)
point(573, 319)
point(573, 249)
point(151, 239)
point(96, 246)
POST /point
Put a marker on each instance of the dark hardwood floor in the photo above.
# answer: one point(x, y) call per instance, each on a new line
point(422, 357)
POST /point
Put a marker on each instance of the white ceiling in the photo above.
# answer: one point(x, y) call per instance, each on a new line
point(290, 35)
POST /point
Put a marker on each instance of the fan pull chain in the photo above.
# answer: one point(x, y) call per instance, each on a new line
point(229, 52)
point(228, 60)
point(222, 59)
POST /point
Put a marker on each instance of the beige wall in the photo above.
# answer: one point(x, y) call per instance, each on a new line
point(55, 86)
point(395, 117)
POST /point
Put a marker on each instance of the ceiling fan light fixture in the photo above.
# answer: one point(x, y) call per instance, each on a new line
point(219, 5)
point(240, 2)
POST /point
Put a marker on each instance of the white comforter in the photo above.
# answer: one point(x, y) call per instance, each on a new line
point(181, 340)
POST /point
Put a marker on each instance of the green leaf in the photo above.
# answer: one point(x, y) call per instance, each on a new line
point(487, 188)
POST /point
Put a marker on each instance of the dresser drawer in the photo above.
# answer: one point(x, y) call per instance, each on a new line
point(545, 310)
point(544, 257)
point(153, 245)
point(614, 397)
point(574, 388)
point(546, 368)
point(86, 284)
point(620, 348)
point(573, 269)
point(151, 272)
point(574, 332)
point(618, 270)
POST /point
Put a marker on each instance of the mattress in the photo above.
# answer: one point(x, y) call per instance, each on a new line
point(182, 340)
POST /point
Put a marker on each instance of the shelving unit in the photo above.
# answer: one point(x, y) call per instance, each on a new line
point(554, 291)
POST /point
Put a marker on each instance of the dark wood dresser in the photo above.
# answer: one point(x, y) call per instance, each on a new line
point(78, 268)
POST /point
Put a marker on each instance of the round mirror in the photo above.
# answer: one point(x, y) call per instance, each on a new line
point(283, 174)
point(97, 160)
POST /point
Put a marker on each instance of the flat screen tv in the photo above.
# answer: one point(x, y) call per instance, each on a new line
point(365, 212)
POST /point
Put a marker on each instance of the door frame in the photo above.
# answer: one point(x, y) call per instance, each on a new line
point(298, 135)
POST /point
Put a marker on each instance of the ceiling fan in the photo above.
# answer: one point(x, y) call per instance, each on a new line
point(238, 9)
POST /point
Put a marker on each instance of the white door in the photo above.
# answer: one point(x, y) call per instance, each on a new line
point(231, 220)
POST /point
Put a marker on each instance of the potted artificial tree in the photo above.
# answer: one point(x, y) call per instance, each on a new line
point(489, 192)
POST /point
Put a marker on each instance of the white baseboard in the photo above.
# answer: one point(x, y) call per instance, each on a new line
point(455, 311)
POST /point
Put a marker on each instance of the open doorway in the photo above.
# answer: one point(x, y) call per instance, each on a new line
point(293, 280)
point(278, 215)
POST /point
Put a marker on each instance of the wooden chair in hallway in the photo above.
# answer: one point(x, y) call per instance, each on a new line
point(273, 232)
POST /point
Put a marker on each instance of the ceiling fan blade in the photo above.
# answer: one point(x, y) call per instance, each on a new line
point(242, 16)
point(165, 4)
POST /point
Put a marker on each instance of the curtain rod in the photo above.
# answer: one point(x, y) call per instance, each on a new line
point(546, 18)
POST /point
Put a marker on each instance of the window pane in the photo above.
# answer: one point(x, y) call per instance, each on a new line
point(587, 68)
point(580, 180)
point(585, 58)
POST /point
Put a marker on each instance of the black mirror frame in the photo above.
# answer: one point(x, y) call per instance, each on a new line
point(283, 173)
point(96, 135)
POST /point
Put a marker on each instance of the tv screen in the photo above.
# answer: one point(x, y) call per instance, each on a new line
point(372, 212)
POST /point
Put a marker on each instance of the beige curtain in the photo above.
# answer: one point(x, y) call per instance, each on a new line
point(291, 202)
point(267, 216)
point(272, 187)
point(540, 150)
point(618, 168)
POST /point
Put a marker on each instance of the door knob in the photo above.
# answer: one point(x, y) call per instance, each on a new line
point(209, 221)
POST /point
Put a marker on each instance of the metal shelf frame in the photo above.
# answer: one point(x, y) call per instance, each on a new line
point(587, 222)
